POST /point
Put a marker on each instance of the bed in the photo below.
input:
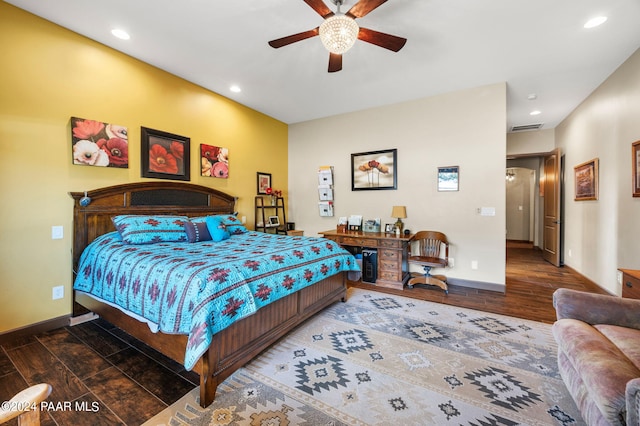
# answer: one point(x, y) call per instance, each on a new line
point(239, 341)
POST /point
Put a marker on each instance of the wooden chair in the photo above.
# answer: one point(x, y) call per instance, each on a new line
point(25, 405)
point(429, 255)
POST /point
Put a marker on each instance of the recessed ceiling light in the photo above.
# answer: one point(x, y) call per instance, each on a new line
point(594, 22)
point(235, 89)
point(536, 112)
point(121, 34)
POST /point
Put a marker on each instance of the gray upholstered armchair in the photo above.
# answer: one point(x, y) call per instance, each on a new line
point(599, 355)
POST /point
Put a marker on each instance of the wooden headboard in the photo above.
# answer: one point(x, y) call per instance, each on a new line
point(186, 199)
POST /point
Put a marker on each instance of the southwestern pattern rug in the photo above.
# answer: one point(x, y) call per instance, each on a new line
point(380, 359)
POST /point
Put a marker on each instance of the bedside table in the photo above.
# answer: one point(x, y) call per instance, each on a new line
point(295, 232)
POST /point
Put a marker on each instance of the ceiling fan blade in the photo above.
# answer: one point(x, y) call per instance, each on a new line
point(387, 41)
point(320, 8)
point(284, 41)
point(363, 7)
point(335, 62)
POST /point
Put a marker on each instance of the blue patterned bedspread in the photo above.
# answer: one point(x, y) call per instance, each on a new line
point(201, 288)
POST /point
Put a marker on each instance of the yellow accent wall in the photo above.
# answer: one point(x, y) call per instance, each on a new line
point(50, 74)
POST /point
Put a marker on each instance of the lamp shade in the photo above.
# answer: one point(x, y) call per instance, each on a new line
point(399, 212)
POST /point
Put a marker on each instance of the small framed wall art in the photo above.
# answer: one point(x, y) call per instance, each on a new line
point(164, 155)
point(448, 178)
point(586, 180)
point(635, 155)
point(264, 183)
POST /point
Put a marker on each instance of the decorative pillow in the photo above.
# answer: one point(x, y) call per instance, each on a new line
point(142, 229)
point(233, 224)
point(217, 228)
point(197, 231)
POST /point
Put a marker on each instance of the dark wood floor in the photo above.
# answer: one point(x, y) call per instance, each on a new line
point(126, 382)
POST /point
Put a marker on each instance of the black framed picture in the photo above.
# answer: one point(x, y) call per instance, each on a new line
point(164, 155)
point(374, 170)
point(264, 183)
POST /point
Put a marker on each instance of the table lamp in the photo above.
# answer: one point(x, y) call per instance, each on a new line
point(399, 212)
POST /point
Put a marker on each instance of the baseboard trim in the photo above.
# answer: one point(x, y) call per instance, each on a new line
point(480, 285)
point(589, 280)
point(36, 328)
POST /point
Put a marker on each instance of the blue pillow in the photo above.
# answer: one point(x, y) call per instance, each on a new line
point(143, 229)
point(197, 231)
point(217, 228)
point(233, 224)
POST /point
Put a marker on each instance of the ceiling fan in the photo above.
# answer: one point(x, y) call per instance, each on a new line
point(339, 31)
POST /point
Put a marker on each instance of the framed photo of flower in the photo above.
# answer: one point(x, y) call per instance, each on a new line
point(95, 143)
point(264, 183)
point(164, 155)
point(214, 161)
point(374, 170)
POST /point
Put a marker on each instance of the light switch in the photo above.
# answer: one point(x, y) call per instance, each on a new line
point(57, 232)
point(487, 211)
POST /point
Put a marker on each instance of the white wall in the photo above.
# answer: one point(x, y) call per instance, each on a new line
point(603, 235)
point(531, 142)
point(465, 128)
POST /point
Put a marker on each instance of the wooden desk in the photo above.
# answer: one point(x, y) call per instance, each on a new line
point(630, 283)
point(393, 251)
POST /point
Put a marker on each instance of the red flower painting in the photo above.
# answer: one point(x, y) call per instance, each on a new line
point(99, 144)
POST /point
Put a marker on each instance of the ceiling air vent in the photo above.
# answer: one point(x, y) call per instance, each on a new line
point(526, 127)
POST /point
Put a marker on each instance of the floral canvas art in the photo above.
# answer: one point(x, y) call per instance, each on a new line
point(99, 144)
point(164, 155)
point(214, 161)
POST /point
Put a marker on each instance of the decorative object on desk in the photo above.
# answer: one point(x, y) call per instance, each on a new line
point(273, 194)
point(374, 170)
point(390, 228)
point(407, 232)
point(448, 178)
point(355, 223)
point(214, 161)
point(264, 182)
point(399, 212)
point(371, 225)
point(635, 152)
point(165, 155)
point(342, 224)
point(96, 143)
point(586, 180)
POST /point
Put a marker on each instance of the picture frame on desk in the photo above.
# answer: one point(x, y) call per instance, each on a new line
point(389, 228)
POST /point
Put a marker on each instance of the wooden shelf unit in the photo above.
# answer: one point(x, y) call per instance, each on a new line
point(264, 210)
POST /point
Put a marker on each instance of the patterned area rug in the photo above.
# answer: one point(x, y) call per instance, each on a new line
point(380, 359)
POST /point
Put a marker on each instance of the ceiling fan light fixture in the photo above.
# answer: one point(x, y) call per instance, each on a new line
point(338, 33)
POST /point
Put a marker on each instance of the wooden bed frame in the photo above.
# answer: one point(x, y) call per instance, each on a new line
point(232, 347)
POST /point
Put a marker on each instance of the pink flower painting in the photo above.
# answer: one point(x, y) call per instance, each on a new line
point(214, 161)
point(101, 144)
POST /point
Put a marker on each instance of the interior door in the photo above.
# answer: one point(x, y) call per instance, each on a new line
point(552, 208)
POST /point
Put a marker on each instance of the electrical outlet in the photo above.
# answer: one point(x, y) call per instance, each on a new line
point(474, 264)
point(57, 232)
point(451, 262)
point(57, 292)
